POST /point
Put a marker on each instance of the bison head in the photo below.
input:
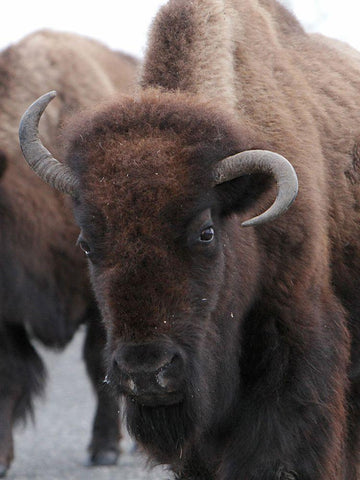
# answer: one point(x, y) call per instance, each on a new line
point(159, 187)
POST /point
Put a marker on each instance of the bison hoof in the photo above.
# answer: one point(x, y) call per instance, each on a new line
point(103, 458)
point(3, 470)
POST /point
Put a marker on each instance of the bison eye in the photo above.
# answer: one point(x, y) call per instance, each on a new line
point(207, 235)
point(85, 247)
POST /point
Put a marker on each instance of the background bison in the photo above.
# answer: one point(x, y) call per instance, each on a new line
point(44, 287)
point(236, 349)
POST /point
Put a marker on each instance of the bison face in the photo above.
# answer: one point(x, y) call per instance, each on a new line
point(159, 272)
point(173, 273)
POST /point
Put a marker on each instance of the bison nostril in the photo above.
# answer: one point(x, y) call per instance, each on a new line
point(162, 380)
point(165, 375)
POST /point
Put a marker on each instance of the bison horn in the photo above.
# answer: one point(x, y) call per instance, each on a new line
point(53, 172)
point(262, 161)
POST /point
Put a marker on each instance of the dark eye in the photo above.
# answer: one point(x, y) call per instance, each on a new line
point(207, 235)
point(85, 247)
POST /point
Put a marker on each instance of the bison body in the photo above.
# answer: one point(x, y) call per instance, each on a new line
point(44, 287)
point(236, 348)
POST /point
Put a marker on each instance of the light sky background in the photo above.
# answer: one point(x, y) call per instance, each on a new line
point(123, 24)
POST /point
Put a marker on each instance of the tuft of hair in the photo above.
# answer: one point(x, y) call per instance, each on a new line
point(162, 431)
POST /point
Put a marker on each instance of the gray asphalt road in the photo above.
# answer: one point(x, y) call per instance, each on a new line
point(54, 448)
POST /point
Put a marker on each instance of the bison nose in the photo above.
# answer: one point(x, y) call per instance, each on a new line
point(150, 372)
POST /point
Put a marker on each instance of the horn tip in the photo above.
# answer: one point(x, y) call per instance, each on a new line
point(248, 223)
point(47, 97)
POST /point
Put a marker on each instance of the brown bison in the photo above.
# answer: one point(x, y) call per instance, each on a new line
point(44, 287)
point(237, 349)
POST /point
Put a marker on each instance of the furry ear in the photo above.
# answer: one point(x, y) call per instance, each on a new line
point(241, 193)
point(3, 162)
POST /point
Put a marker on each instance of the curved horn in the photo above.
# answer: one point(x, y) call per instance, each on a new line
point(262, 161)
point(53, 172)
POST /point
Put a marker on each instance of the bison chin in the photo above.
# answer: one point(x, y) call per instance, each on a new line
point(161, 430)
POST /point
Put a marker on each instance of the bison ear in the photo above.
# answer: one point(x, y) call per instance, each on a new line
point(3, 162)
point(238, 195)
point(253, 166)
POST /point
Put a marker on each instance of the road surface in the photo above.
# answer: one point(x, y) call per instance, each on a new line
point(54, 448)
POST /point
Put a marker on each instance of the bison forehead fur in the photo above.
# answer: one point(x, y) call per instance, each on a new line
point(150, 161)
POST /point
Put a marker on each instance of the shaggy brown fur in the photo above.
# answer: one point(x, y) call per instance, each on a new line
point(263, 321)
point(44, 285)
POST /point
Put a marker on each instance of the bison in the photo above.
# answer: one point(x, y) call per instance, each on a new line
point(236, 349)
point(44, 286)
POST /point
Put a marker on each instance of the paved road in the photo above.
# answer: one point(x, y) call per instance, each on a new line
point(55, 447)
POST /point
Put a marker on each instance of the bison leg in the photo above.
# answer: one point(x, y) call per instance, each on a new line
point(22, 375)
point(104, 445)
